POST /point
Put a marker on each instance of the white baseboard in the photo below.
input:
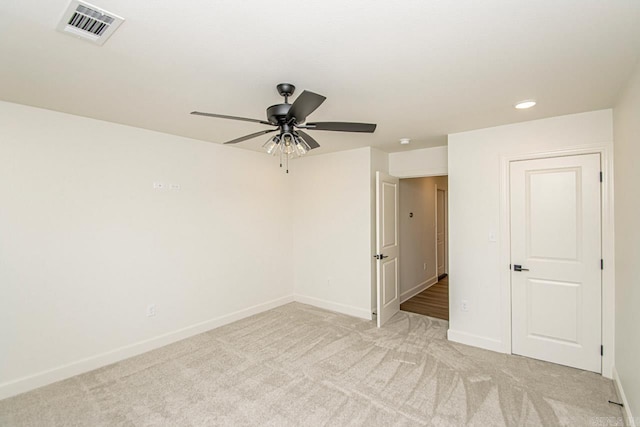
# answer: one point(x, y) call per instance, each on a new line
point(630, 421)
point(24, 384)
point(476, 341)
point(335, 306)
point(417, 289)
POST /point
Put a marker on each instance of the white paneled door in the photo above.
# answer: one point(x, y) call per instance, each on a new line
point(387, 247)
point(556, 260)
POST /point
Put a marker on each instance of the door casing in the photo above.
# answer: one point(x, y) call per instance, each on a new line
point(444, 221)
point(608, 276)
point(565, 275)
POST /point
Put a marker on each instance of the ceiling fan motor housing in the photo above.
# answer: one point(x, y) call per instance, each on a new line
point(276, 114)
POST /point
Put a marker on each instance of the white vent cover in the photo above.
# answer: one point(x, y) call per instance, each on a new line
point(89, 22)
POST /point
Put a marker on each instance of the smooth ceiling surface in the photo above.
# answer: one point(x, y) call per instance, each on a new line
point(420, 69)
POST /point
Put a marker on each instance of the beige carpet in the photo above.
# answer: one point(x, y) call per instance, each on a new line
point(298, 365)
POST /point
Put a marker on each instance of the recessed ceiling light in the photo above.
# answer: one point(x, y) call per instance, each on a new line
point(523, 105)
point(404, 141)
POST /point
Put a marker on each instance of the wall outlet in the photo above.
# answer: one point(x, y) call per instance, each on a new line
point(424, 266)
point(151, 310)
point(464, 305)
point(158, 185)
point(174, 187)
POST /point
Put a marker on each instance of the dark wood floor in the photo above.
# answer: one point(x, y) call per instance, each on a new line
point(433, 301)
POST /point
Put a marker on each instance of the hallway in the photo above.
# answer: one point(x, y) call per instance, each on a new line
point(433, 301)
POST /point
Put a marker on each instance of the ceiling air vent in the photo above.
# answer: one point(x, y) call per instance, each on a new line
point(89, 22)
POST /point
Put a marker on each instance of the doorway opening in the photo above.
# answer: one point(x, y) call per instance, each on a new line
point(423, 261)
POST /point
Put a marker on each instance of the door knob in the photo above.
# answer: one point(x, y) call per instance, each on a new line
point(381, 256)
point(518, 267)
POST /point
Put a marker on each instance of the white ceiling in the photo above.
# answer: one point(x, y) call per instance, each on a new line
point(418, 68)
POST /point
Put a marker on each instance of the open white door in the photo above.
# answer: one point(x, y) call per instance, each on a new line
point(387, 246)
point(555, 251)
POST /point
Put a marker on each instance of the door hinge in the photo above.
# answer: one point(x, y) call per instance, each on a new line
point(509, 266)
point(600, 176)
point(601, 264)
point(601, 350)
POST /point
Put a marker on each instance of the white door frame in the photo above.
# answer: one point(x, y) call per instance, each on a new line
point(608, 274)
point(446, 230)
point(445, 220)
point(426, 174)
point(435, 228)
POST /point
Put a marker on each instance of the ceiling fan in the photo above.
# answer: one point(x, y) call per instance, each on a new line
point(289, 120)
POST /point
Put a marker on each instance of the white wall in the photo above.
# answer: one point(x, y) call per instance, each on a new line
point(417, 163)
point(331, 215)
point(418, 234)
point(626, 122)
point(478, 268)
point(86, 243)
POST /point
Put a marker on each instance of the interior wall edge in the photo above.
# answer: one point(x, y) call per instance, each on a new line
point(629, 419)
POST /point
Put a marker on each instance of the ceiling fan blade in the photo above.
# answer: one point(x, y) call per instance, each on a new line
point(342, 126)
point(312, 143)
point(253, 135)
point(304, 105)
point(222, 116)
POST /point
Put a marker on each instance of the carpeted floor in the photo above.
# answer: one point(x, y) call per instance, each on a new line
point(299, 365)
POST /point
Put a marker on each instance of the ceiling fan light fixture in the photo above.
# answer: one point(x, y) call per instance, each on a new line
point(288, 120)
point(527, 103)
point(300, 140)
point(301, 150)
point(271, 145)
point(288, 144)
